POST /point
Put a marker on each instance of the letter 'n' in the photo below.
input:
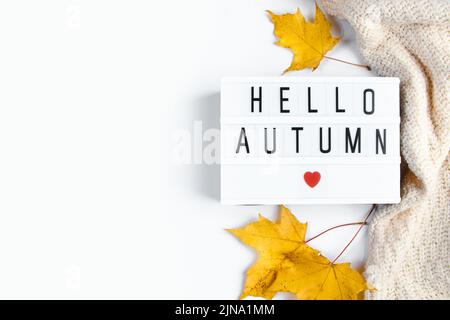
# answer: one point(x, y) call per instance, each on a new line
point(380, 143)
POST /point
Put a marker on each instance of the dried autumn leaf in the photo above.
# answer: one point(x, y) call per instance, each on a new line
point(287, 264)
point(309, 41)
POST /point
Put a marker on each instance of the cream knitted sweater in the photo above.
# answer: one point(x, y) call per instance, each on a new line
point(409, 249)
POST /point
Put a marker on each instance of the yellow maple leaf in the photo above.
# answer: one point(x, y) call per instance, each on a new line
point(287, 264)
point(309, 41)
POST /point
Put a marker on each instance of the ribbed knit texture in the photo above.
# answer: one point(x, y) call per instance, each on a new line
point(409, 249)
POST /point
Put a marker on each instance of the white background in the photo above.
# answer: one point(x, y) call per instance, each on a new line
point(91, 92)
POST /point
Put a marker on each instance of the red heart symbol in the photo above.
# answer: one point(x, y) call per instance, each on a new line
point(312, 178)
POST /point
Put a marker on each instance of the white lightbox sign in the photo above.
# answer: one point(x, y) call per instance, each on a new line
point(298, 140)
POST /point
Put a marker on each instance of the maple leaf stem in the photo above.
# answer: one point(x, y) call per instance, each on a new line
point(335, 227)
point(372, 209)
point(351, 63)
